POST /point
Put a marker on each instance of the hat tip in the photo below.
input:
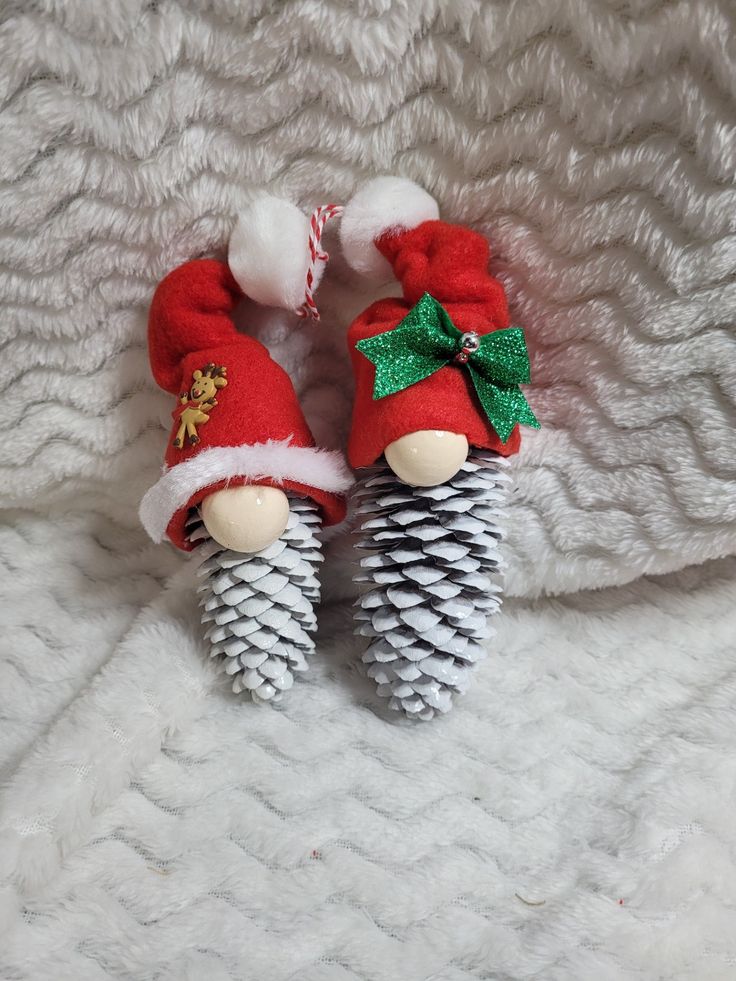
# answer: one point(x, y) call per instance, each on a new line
point(382, 204)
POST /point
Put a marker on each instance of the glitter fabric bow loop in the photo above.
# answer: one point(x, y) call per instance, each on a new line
point(426, 340)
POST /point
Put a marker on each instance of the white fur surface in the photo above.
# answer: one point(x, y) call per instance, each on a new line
point(154, 827)
point(268, 252)
point(382, 204)
point(159, 827)
point(277, 460)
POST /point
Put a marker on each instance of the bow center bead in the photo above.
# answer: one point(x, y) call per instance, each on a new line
point(469, 344)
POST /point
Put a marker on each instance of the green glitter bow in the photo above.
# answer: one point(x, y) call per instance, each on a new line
point(427, 340)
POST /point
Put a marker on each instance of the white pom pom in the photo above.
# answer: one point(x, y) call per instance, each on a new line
point(269, 253)
point(382, 204)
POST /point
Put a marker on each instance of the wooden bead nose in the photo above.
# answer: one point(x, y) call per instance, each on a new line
point(427, 457)
point(246, 519)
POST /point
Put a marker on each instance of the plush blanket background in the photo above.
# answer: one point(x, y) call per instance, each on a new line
point(594, 144)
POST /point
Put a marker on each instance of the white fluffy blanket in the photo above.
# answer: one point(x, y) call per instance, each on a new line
point(152, 826)
point(161, 828)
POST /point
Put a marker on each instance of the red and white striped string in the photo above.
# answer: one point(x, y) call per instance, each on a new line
point(320, 217)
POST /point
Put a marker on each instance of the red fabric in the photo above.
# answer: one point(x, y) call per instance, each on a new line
point(190, 312)
point(451, 263)
point(190, 327)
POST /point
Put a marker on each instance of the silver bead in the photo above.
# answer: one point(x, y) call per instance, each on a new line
point(470, 341)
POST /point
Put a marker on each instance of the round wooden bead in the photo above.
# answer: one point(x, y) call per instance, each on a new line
point(427, 457)
point(247, 518)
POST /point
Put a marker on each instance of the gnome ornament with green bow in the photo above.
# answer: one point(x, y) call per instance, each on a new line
point(437, 412)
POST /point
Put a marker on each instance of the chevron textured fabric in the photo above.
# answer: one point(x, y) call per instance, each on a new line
point(151, 826)
point(593, 143)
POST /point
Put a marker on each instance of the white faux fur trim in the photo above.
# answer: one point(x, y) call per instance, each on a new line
point(269, 253)
point(278, 461)
point(381, 204)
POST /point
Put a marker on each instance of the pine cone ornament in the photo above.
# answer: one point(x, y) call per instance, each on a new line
point(260, 608)
point(431, 580)
point(244, 481)
point(438, 373)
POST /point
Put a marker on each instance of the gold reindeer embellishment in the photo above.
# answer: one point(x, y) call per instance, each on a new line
point(198, 402)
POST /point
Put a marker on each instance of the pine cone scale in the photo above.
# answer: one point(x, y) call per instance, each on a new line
point(260, 608)
point(429, 560)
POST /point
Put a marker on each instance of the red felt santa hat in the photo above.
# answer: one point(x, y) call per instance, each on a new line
point(392, 227)
point(237, 419)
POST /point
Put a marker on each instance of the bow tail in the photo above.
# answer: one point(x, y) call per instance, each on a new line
point(504, 405)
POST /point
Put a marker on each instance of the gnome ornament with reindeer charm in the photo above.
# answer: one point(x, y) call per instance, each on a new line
point(243, 482)
point(437, 408)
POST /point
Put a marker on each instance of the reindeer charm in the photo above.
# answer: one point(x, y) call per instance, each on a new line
point(198, 402)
